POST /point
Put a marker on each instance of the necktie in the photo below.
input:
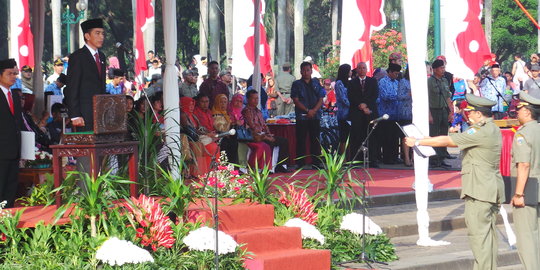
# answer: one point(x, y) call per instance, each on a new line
point(362, 83)
point(98, 63)
point(10, 101)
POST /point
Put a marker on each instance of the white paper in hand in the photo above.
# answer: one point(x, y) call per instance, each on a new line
point(28, 140)
point(412, 131)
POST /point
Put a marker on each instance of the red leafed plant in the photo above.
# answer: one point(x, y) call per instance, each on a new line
point(299, 203)
point(154, 226)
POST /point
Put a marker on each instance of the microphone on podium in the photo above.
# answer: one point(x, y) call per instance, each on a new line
point(377, 120)
point(226, 133)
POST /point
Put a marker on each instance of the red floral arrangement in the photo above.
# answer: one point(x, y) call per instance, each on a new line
point(384, 43)
point(155, 227)
point(298, 202)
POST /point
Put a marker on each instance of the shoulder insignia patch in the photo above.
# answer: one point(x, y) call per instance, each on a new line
point(471, 131)
point(519, 139)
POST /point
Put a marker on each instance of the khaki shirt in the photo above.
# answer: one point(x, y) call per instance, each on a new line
point(481, 178)
point(438, 92)
point(526, 148)
point(284, 82)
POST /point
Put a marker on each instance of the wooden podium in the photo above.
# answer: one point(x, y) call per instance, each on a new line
point(107, 138)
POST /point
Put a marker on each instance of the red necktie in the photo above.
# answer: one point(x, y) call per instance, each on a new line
point(98, 63)
point(10, 101)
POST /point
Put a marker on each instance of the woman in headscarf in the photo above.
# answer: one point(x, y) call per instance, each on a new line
point(261, 153)
point(222, 123)
point(202, 151)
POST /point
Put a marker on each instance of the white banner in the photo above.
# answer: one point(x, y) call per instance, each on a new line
point(465, 45)
point(359, 19)
point(243, 40)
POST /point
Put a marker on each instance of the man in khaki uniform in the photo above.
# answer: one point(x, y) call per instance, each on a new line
point(284, 81)
point(482, 182)
point(441, 110)
point(525, 164)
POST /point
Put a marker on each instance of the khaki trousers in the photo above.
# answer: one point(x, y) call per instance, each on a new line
point(481, 218)
point(526, 223)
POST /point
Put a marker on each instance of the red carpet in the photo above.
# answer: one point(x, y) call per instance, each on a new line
point(383, 181)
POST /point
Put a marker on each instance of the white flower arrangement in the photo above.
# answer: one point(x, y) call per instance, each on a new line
point(308, 230)
point(119, 252)
point(353, 223)
point(204, 239)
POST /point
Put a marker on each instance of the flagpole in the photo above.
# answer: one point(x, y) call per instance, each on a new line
point(257, 45)
point(437, 26)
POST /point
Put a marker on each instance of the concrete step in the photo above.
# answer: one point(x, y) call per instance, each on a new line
point(294, 259)
point(456, 256)
point(409, 197)
point(270, 239)
point(400, 220)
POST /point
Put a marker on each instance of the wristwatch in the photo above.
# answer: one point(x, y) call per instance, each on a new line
point(518, 195)
point(417, 143)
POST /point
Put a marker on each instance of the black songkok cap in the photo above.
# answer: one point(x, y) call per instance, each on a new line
point(118, 73)
point(437, 63)
point(8, 63)
point(88, 25)
point(62, 78)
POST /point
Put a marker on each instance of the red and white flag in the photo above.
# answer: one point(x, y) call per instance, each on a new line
point(144, 16)
point(359, 19)
point(465, 45)
point(244, 40)
point(22, 41)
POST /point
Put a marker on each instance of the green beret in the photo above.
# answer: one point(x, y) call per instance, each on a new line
point(476, 103)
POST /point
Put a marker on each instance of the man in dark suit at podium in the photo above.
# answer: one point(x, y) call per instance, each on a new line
point(10, 133)
point(86, 76)
point(363, 92)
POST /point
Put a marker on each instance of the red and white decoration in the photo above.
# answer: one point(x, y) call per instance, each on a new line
point(22, 41)
point(144, 16)
point(359, 19)
point(465, 45)
point(244, 40)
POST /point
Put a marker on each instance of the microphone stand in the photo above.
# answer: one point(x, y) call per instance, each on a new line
point(364, 148)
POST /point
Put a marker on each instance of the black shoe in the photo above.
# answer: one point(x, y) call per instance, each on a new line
point(373, 165)
point(281, 169)
point(445, 165)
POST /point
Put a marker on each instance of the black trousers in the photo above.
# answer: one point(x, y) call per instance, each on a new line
point(283, 144)
point(229, 144)
point(308, 129)
point(9, 173)
point(389, 134)
point(439, 127)
point(359, 131)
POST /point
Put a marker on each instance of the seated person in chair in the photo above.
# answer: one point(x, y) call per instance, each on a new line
point(255, 122)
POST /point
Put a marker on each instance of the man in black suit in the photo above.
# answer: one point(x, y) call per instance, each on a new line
point(363, 92)
point(86, 76)
point(10, 133)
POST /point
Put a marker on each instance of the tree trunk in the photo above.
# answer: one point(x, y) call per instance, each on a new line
point(214, 28)
point(487, 21)
point(93, 228)
point(203, 28)
point(272, 41)
point(298, 35)
point(56, 7)
point(335, 16)
point(149, 35)
point(228, 9)
point(281, 31)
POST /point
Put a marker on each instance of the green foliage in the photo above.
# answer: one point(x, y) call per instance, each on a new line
point(346, 246)
point(384, 43)
point(329, 68)
point(261, 184)
point(338, 180)
point(512, 31)
point(178, 193)
point(40, 194)
point(317, 29)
